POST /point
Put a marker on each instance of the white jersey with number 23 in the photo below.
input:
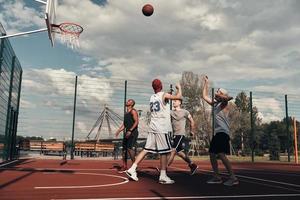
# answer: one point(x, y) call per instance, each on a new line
point(160, 114)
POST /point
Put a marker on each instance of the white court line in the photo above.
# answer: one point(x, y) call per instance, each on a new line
point(88, 186)
point(267, 172)
point(8, 163)
point(192, 197)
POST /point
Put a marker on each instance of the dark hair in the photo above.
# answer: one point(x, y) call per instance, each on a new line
point(133, 102)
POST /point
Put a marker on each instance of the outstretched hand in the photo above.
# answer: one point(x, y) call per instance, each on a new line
point(223, 98)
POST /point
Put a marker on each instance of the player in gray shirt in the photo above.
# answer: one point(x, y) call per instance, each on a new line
point(178, 119)
point(219, 145)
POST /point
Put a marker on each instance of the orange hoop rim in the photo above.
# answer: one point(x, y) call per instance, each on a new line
point(69, 28)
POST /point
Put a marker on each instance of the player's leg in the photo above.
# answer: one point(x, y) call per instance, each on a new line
point(131, 153)
point(163, 143)
point(225, 145)
point(124, 155)
point(131, 145)
point(213, 150)
point(171, 157)
point(193, 167)
point(149, 147)
point(176, 147)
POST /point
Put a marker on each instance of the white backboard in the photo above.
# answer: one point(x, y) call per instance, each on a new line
point(50, 18)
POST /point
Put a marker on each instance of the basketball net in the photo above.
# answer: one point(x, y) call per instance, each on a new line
point(69, 34)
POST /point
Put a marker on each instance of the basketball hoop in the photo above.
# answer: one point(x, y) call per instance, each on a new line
point(70, 33)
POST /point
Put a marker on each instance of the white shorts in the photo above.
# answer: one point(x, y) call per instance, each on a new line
point(158, 143)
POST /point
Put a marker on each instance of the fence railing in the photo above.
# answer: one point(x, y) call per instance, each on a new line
point(50, 109)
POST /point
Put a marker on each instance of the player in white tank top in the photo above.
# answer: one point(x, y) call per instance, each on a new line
point(158, 140)
point(160, 114)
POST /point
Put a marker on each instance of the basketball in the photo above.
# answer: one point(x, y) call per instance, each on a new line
point(148, 10)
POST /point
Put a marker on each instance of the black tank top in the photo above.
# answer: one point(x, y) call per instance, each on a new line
point(129, 121)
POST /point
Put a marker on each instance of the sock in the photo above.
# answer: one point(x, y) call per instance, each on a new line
point(133, 167)
point(163, 173)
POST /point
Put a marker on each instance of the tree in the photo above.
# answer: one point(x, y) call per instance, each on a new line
point(274, 145)
point(240, 128)
point(192, 86)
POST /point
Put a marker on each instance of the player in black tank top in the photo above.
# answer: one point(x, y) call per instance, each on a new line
point(130, 125)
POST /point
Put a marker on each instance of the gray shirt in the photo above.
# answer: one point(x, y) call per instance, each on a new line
point(178, 119)
point(221, 119)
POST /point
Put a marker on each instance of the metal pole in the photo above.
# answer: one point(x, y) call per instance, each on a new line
point(11, 133)
point(213, 111)
point(287, 129)
point(43, 2)
point(171, 92)
point(73, 126)
point(24, 33)
point(295, 141)
point(252, 128)
point(125, 99)
point(19, 96)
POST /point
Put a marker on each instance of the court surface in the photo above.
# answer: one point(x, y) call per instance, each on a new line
point(98, 179)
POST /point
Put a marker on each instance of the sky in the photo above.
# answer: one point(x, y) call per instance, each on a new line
point(239, 44)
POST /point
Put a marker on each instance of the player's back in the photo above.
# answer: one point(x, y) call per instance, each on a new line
point(160, 114)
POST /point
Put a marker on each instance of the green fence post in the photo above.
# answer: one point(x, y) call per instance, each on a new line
point(125, 99)
point(213, 112)
point(73, 125)
point(287, 129)
point(18, 105)
point(171, 92)
point(252, 128)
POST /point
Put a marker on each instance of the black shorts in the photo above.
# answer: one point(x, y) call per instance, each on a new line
point(220, 143)
point(129, 143)
point(179, 143)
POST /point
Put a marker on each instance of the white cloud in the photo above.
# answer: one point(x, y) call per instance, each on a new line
point(270, 109)
point(16, 16)
point(255, 43)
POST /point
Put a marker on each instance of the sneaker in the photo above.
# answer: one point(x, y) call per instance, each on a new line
point(122, 169)
point(194, 168)
point(166, 180)
point(231, 182)
point(214, 180)
point(132, 175)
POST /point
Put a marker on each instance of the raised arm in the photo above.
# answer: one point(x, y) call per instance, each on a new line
point(192, 124)
point(205, 92)
point(178, 94)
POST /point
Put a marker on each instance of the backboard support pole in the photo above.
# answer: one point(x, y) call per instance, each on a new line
point(24, 33)
point(40, 1)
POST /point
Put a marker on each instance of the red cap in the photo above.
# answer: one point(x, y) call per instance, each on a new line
point(156, 85)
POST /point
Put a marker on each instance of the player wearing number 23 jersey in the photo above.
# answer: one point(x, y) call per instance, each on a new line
point(160, 114)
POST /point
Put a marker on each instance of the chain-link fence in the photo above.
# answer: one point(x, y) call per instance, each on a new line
point(10, 86)
point(50, 110)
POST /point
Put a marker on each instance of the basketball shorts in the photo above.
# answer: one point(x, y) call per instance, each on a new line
point(130, 143)
point(158, 143)
point(179, 143)
point(220, 143)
